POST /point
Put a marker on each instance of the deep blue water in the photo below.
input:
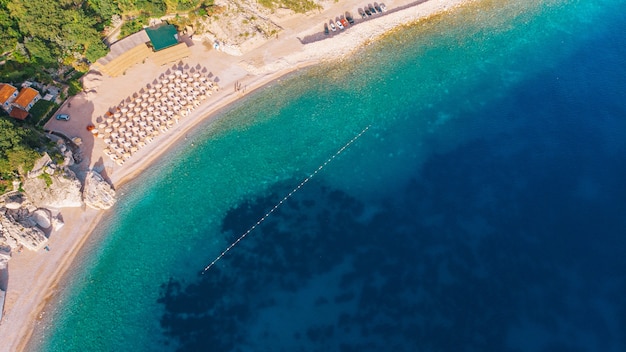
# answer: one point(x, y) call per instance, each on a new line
point(484, 210)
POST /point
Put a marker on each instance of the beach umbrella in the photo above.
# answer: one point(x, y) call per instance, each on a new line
point(108, 130)
point(151, 100)
point(117, 115)
point(122, 129)
point(102, 126)
point(177, 80)
point(145, 95)
point(115, 124)
point(144, 104)
point(183, 75)
point(137, 109)
point(124, 119)
point(190, 80)
point(138, 100)
point(131, 105)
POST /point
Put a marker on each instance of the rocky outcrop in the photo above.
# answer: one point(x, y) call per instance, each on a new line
point(64, 192)
point(97, 192)
point(5, 254)
point(40, 166)
point(15, 233)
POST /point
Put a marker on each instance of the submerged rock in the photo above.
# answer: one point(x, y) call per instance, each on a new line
point(64, 192)
point(98, 193)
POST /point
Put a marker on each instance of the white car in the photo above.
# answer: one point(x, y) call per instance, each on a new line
point(332, 27)
point(339, 25)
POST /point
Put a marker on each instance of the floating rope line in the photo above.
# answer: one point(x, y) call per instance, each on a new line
point(262, 219)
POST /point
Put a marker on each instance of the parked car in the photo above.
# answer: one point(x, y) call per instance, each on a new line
point(339, 24)
point(64, 117)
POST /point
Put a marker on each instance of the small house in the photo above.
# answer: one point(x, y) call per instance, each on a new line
point(27, 98)
point(8, 93)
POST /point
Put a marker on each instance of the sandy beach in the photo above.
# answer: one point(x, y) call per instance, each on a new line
point(34, 278)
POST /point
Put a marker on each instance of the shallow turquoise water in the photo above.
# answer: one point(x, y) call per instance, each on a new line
point(427, 91)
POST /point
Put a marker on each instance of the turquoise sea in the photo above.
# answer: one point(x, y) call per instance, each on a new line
point(483, 210)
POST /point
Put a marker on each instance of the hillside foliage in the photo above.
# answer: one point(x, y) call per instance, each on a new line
point(46, 34)
point(18, 150)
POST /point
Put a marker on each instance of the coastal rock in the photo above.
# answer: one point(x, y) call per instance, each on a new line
point(98, 193)
point(40, 166)
point(57, 222)
point(31, 238)
point(42, 218)
point(64, 192)
point(5, 256)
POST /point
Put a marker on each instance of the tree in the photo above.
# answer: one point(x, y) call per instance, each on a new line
point(41, 52)
point(17, 149)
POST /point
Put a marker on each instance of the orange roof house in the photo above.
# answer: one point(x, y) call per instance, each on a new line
point(8, 93)
point(27, 98)
point(19, 113)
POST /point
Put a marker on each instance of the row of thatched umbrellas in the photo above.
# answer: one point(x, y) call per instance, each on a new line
point(138, 119)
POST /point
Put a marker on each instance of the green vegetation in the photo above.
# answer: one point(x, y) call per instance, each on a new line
point(299, 6)
point(133, 25)
point(46, 178)
point(41, 111)
point(18, 149)
point(47, 33)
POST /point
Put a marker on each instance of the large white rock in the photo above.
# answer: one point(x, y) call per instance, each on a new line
point(98, 193)
point(64, 192)
point(42, 217)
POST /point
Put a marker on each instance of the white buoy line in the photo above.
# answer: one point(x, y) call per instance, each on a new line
point(296, 189)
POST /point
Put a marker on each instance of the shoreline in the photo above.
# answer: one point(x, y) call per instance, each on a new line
point(35, 278)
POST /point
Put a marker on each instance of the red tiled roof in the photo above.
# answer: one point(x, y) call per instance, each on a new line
point(25, 97)
point(6, 90)
point(18, 113)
